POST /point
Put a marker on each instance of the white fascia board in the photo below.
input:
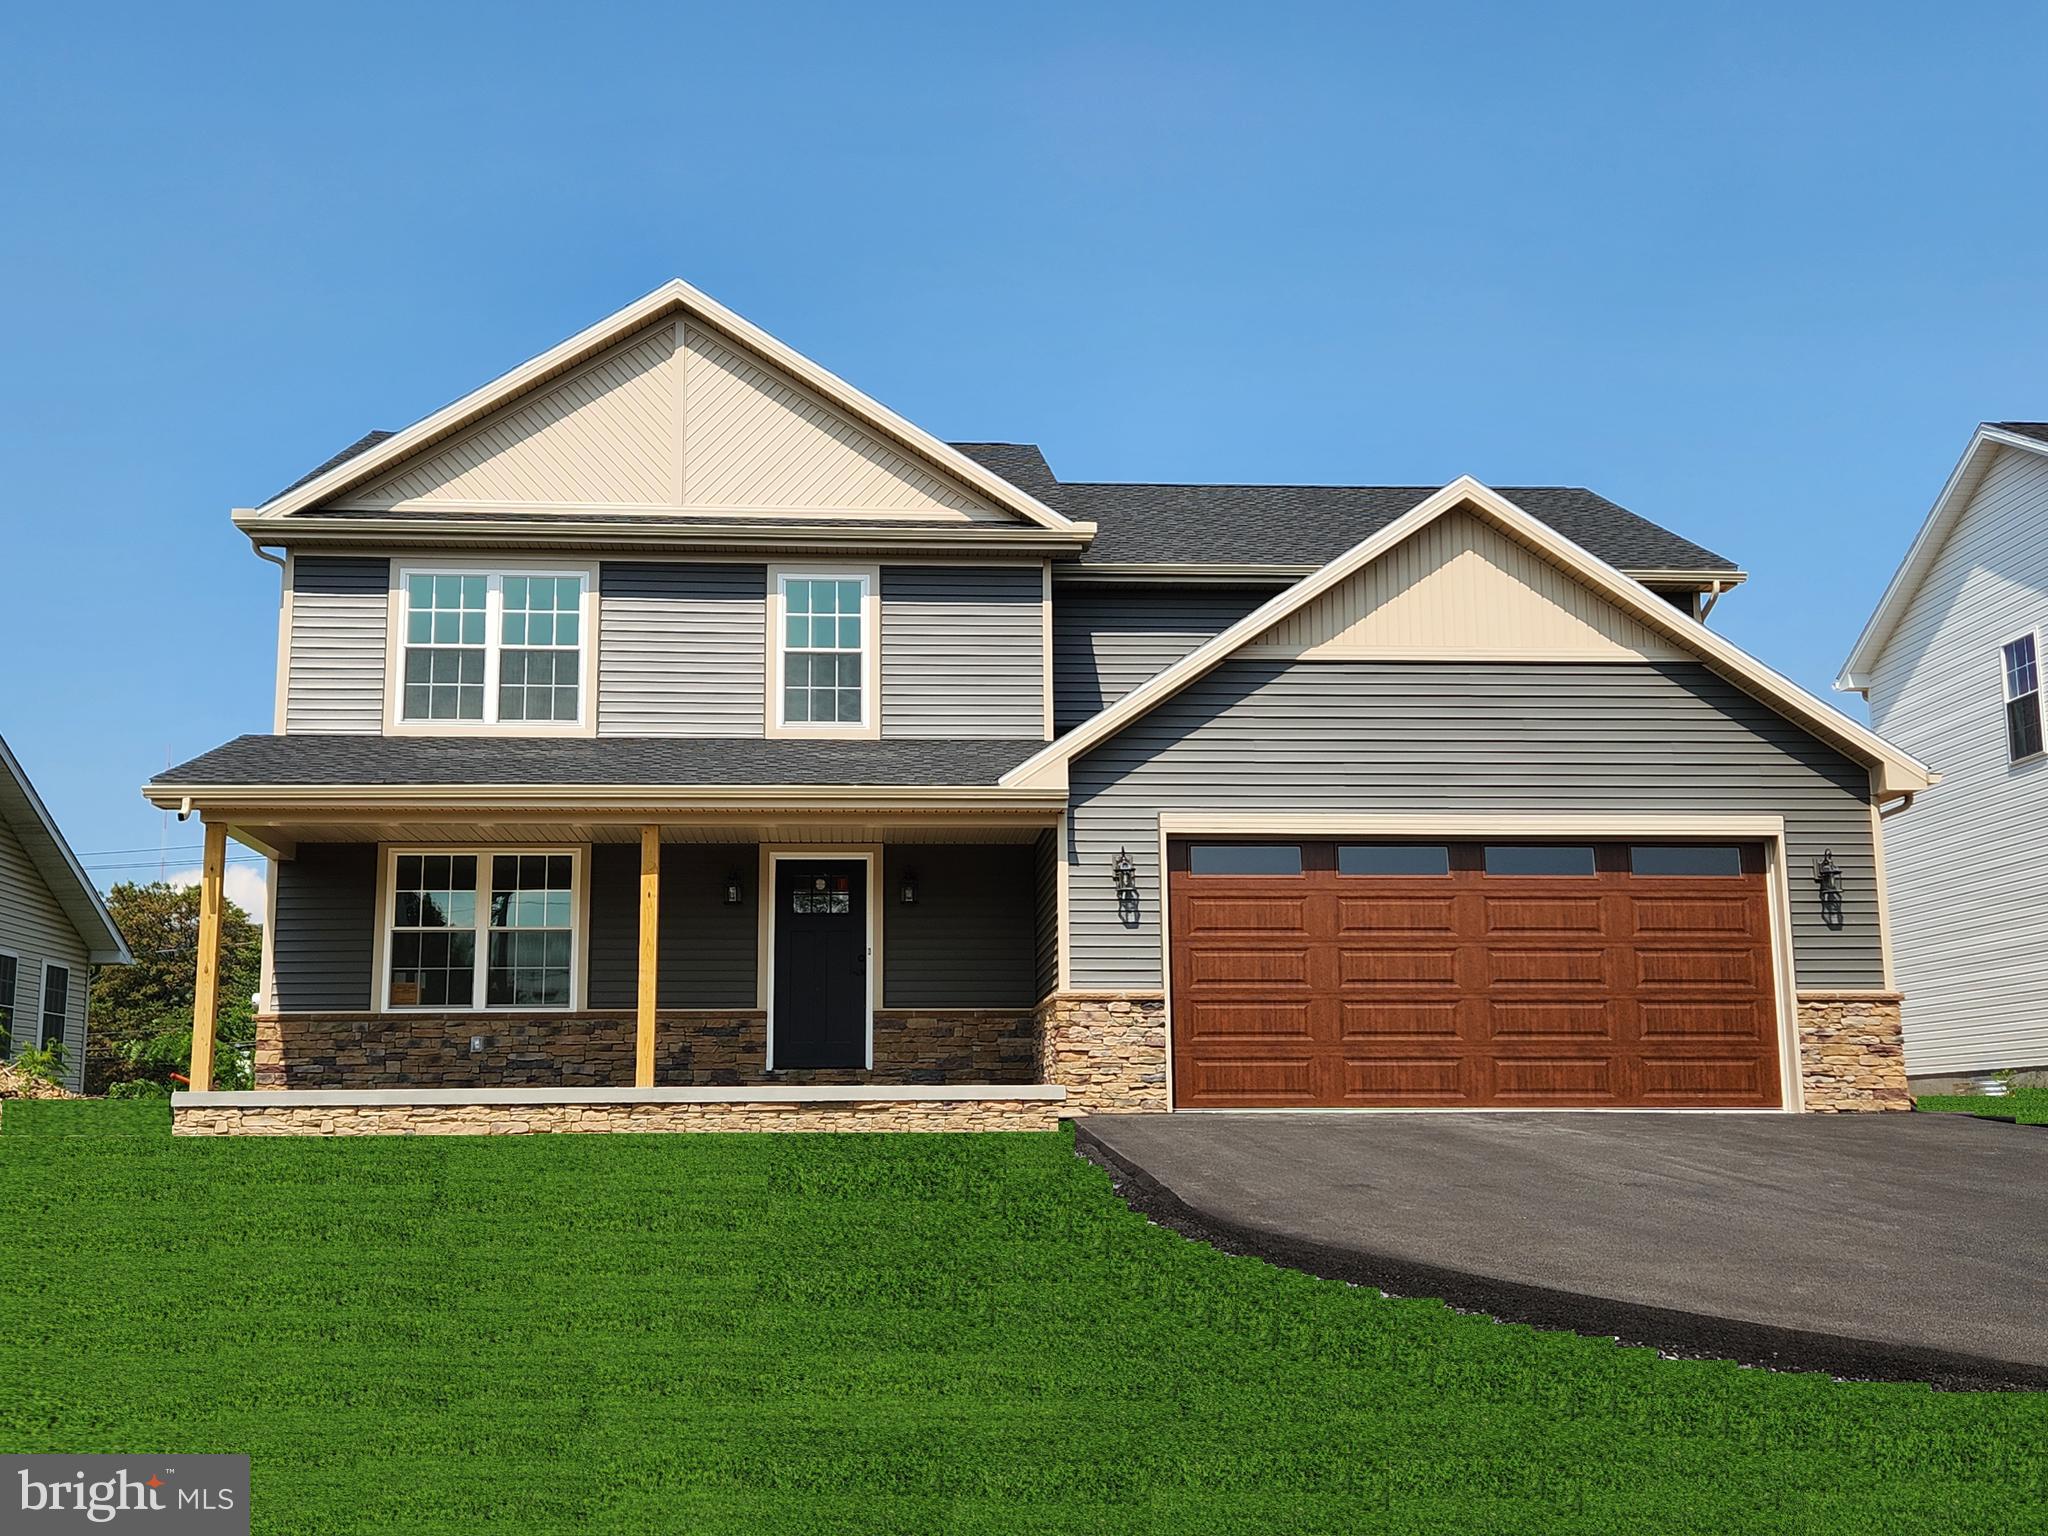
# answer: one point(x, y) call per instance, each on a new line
point(1893, 771)
point(670, 296)
point(1920, 554)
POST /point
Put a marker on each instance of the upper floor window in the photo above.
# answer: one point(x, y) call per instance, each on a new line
point(493, 647)
point(823, 651)
point(2022, 699)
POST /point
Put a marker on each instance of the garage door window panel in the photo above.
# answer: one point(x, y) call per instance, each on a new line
point(1244, 859)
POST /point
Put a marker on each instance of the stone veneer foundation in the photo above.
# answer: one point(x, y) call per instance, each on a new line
point(515, 1112)
point(594, 1049)
point(1852, 1051)
point(1109, 1051)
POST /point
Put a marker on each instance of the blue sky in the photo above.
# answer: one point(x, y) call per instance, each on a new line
point(1752, 271)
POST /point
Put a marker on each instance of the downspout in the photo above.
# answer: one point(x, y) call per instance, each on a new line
point(1713, 596)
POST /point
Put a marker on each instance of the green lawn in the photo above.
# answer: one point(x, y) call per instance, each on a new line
point(2029, 1106)
point(888, 1333)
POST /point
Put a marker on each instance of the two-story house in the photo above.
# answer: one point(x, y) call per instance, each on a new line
point(53, 929)
point(668, 727)
point(1951, 664)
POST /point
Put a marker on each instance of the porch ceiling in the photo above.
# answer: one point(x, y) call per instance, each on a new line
point(281, 834)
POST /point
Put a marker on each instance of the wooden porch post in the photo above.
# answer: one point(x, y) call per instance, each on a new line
point(650, 946)
point(206, 987)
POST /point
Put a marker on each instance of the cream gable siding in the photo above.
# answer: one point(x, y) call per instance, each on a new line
point(1965, 862)
point(1460, 588)
point(674, 419)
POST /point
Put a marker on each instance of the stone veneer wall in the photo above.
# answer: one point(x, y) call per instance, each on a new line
point(692, 1049)
point(1107, 1049)
point(1852, 1051)
point(531, 1119)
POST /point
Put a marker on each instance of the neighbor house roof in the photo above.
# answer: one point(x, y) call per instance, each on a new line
point(1892, 772)
point(1963, 480)
point(557, 762)
point(22, 809)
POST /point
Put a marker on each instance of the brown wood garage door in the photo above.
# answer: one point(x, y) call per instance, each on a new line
point(1447, 975)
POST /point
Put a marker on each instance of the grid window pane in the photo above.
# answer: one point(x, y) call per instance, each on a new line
point(532, 914)
point(433, 931)
point(541, 663)
point(824, 634)
point(444, 654)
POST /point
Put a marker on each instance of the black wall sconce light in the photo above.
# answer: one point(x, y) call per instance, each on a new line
point(906, 890)
point(735, 893)
point(1827, 877)
point(1124, 873)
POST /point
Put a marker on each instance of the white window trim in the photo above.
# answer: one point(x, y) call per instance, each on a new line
point(2007, 698)
point(387, 875)
point(43, 1000)
point(869, 725)
point(494, 573)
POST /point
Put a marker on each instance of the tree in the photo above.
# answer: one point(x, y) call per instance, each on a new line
point(140, 1011)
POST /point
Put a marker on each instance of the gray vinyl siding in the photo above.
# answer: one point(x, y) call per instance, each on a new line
point(1046, 858)
point(682, 649)
point(708, 952)
point(339, 620)
point(1964, 860)
point(969, 940)
point(322, 953)
point(1393, 737)
point(963, 651)
point(36, 932)
point(1108, 640)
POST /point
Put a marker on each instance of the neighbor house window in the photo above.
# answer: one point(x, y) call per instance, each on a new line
point(2022, 699)
point(824, 651)
point(56, 1003)
point(482, 930)
point(10, 971)
point(487, 647)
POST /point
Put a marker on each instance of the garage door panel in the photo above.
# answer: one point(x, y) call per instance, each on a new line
point(1237, 1020)
point(1526, 915)
point(1397, 1080)
point(1589, 1020)
point(1405, 967)
point(1549, 966)
point(1275, 966)
point(1402, 1020)
point(1464, 989)
point(1687, 1079)
point(1557, 1078)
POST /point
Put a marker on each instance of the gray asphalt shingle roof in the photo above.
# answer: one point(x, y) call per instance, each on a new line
point(1298, 525)
point(656, 761)
point(2037, 430)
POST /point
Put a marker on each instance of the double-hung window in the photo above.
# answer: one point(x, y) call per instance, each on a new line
point(482, 929)
point(493, 648)
point(56, 1003)
point(10, 978)
point(823, 652)
point(2022, 699)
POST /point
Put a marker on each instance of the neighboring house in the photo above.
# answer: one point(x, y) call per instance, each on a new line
point(1951, 664)
point(932, 768)
point(53, 929)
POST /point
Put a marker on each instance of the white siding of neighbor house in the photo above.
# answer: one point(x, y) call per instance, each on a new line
point(35, 930)
point(1965, 864)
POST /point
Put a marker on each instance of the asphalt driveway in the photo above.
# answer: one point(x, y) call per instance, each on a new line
point(1893, 1246)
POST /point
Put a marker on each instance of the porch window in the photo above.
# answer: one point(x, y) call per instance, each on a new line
point(482, 930)
point(824, 644)
point(485, 647)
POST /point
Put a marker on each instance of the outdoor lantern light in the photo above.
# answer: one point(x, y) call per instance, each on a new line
point(1827, 874)
point(734, 892)
point(906, 892)
point(1125, 873)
